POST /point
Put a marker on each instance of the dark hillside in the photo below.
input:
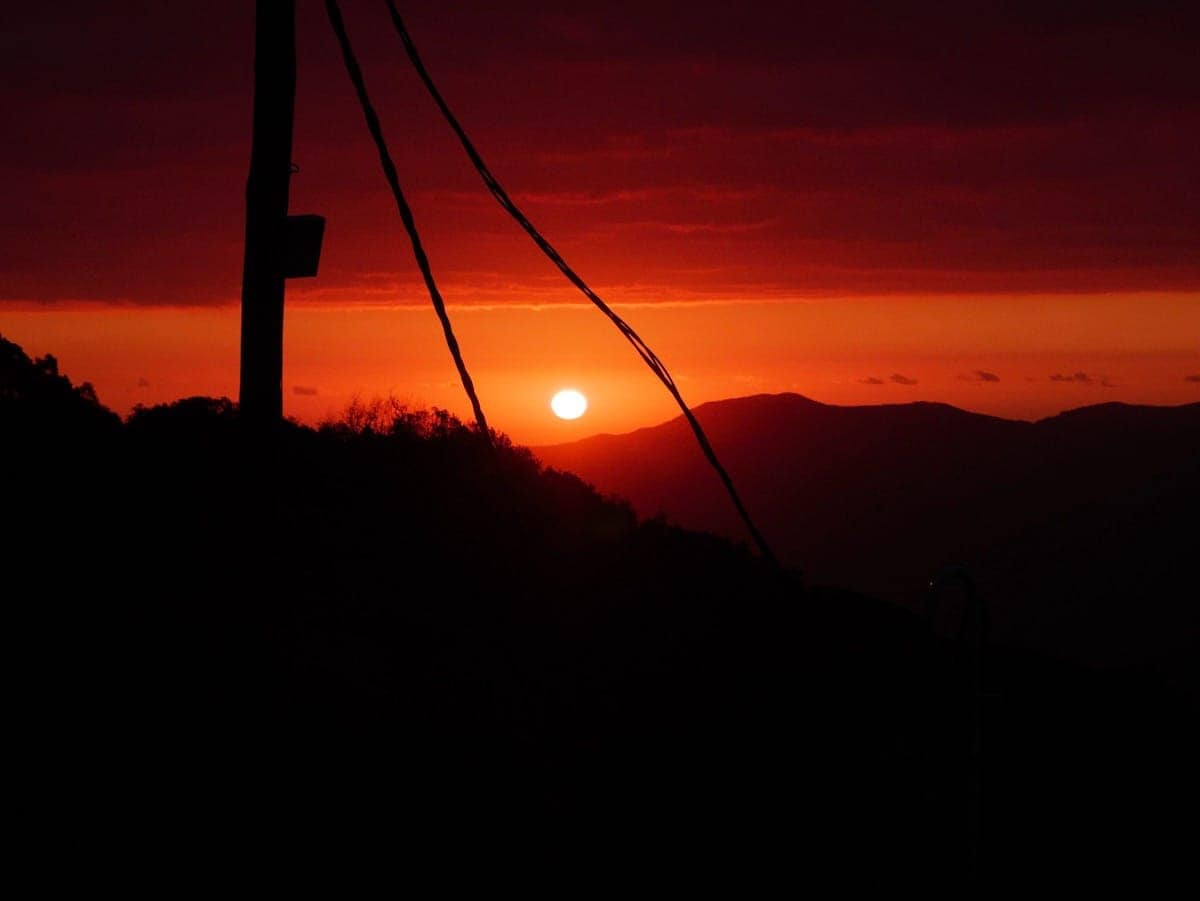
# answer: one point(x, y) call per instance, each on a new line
point(1079, 528)
point(383, 628)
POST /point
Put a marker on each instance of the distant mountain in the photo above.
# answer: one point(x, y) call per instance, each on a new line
point(1080, 528)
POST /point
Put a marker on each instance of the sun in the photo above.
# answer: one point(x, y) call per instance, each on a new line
point(568, 404)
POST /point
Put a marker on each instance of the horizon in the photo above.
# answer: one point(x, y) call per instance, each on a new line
point(1095, 393)
point(154, 355)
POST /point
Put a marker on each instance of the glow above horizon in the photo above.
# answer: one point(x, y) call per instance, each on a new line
point(999, 356)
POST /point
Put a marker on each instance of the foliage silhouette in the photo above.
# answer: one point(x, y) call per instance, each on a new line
point(34, 397)
point(382, 626)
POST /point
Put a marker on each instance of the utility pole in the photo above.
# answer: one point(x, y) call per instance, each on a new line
point(265, 266)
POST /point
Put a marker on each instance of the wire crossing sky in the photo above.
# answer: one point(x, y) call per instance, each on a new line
point(643, 349)
point(410, 225)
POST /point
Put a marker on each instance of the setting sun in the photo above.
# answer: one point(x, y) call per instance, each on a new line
point(568, 404)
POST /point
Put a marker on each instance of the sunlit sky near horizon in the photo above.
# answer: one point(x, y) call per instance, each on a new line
point(992, 206)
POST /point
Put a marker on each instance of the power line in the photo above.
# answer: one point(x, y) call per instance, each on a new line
point(644, 351)
point(406, 216)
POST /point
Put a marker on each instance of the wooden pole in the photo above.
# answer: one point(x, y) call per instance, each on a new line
point(263, 272)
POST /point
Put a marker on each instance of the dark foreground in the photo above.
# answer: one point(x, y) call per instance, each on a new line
point(384, 633)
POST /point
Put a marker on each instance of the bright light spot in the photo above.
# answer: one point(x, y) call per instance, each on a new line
point(568, 404)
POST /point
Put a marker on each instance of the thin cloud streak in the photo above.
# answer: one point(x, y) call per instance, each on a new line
point(981, 376)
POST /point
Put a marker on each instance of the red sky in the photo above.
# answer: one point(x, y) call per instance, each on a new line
point(785, 197)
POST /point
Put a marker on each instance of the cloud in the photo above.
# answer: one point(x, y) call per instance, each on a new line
point(1192, 378)
point(707, 193)
point(1004, 165)
point(611, 228)
point(902, 379)
point(1081, 377)
point(980, 375)
point(872, 381)
point(303, 390)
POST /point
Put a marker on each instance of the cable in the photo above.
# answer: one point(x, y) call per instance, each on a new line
point(651, 359)
point(406, 216)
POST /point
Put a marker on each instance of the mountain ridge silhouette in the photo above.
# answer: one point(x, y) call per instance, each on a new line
point(1092, 502)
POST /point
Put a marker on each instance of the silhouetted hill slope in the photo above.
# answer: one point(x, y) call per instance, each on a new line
point(35, 398)
point(384, 629)
point(1079, 527)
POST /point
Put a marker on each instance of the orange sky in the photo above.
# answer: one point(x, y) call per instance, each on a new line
point(1138, 349)
point(778, 196)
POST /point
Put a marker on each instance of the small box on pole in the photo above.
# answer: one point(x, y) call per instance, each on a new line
point(302, 245)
